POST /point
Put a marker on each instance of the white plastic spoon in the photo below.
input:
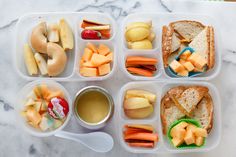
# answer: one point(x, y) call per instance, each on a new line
point(97, 141)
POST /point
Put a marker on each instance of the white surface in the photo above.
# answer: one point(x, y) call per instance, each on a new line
point(16, 142)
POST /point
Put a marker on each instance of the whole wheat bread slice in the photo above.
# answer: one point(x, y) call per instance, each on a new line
point(169, 113)
point(201, 44)
point(187, 29)
point(204, 112)
point(189, 98)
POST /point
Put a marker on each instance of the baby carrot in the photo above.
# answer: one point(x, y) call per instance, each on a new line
point(142, 136)
point(141, 144)
point(133, 131)
point(140, 71)
point(139, 60)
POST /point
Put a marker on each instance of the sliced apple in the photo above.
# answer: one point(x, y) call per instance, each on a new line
point(97, 28)
point(53, 33)
point(30, 61)
point(136, 103)
point(66, 35)
point(41, 63)
point(139, 113)
point(141, 126)
point(141, 93)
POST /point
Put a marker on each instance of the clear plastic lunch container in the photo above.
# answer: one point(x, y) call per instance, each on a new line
point(20, 101)
point(25, 25)
point(160, 88)
point(158, 21)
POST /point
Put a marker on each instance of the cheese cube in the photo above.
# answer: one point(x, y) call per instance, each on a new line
point(183, 73)
point(197, 60)
point(182, 61)
point(189, 138)
point(176, 66)
point(199, 141)
point(189, 66)
point(200, 132)
point(177, 142)
point(179, 133)
point(191, 127)
point(185, 55)
point(88, 72)
point(104, 69)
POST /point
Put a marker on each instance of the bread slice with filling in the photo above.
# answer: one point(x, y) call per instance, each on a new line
point(204, 112)
point(189, 98)
point(187, 29)
point(169, 113)
point(201, 44)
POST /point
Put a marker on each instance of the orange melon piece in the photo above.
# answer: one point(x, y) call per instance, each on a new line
point(103, 49)
point(98, 59)
point(87, 54)
point(88, 72)
point(81, 62)
point(88, 64)
point(110, 56)
point(104, 69)
point(92, 47)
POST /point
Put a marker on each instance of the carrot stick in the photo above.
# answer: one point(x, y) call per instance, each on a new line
point(140, 71)
point(149, 67)
point(142, 136)
point(133, 131)
point(141, 144)
point(134, 60)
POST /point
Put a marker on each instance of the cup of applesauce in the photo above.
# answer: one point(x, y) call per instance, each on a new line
point(93, 107)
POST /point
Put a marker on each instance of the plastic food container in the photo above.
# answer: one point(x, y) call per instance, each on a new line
point(159, 20)
point(22, 95)
point(71, 73)
point(160, 88)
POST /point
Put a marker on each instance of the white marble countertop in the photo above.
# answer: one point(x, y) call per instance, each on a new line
point(15, 142)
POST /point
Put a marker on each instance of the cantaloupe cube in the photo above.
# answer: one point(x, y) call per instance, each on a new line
point(88, 64)
point(200, 132)
point(110, 56)
point(189, 66)
point(81, 62)
point(92, 47)
point(189, 137)
point(183, 73)
point(199, 141)
point(103, 49)
point(88, 72)
point(197, 60)
point(182, 61)
point(98, 59)
point(177, 142)
point(176, 66)
point(185, 55)
point(87, 54)
point(104, 69)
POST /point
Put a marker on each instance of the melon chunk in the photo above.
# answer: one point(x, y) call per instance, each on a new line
point(98, 59)
point(110, 56)
point(92, 47)
point(103, 49)
point(104, 69)
point(88, 64)
point(88, 72)
point(87, 54)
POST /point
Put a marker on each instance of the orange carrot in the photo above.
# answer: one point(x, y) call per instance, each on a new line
point(150, 67)
point(133, 131)
point(142, 136)
point(140, 71)
point(141, 144)
point(139, 60)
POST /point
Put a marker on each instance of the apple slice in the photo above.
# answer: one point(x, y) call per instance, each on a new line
point(41, 63)
point(97, 28)
point(30, 61)
point(136, 103)
point(141, 93)
point(66, 35)
point(139, 113)
point(141, 126)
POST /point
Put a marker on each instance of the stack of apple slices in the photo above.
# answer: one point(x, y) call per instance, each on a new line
point(139, 135)
point(139, 103)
